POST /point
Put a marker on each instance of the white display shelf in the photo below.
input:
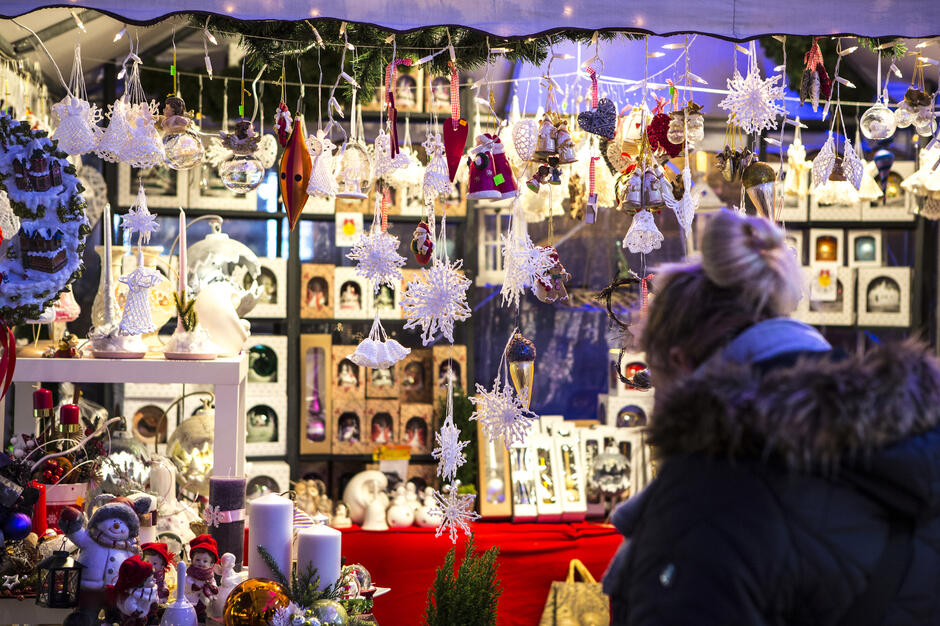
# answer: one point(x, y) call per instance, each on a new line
point(26, 611)
point(227, 375)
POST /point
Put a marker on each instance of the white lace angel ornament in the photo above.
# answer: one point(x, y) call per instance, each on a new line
point(322, 179)
point(379, 261)
point(77, 131)
point(136, 319)
point(143, 147)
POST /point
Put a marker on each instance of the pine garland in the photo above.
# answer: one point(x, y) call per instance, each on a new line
point(468, 598)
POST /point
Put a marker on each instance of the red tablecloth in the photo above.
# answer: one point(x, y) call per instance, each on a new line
point(531, 556)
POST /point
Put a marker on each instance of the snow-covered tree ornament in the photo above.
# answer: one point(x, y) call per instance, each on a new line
point(376, 253)
point(449, 451)
point(455, 510)
point(437, 297)
point(754, 103)
point(136, 319)
point(643, 236)
point(501, 411)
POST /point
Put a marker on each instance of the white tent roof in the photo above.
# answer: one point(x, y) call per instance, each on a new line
point(736, 19)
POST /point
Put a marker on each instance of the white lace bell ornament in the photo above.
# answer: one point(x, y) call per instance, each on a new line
point(377, 351)
point(643, 236)
point(322, 182)
point(116, 136)
point(77, 130)
point(354, 177)
point(143, 148)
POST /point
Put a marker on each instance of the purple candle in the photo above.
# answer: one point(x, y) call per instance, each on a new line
point(226, 515)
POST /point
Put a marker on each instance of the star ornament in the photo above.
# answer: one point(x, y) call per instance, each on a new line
point(139, 219)
point(377, 256)
point(753, 102)
point(502, 413)
point(436, 299)
point(456, 512)
point(449, 450)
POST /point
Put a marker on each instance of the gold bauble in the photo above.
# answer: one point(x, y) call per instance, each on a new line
point(757, 173)
point(254, 602)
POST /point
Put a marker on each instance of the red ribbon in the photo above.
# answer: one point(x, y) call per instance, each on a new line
point(454, 95)
point(386, 202)
point(644, 291)
point(660, 106)
point(593, 75)
point(591, 174)
point(8, 360)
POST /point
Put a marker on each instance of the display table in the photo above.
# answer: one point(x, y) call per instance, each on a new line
point(531, 556)
point(228, 375)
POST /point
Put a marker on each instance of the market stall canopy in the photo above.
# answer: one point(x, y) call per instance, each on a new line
point(733, 19)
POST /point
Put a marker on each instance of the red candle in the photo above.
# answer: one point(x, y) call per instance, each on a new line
point(69, 415)
point(42, 401)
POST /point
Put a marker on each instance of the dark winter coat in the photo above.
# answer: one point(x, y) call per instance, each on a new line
point(771, 501)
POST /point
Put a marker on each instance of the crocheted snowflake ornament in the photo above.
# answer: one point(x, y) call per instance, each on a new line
point(456, 512)
point(502, 413)
point(449, 450)
point(436, 299)
point(139, 219)
point(377, 256)
point(523, 261)
point(753, 102)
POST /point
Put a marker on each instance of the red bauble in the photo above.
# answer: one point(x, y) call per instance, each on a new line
point(656, 134)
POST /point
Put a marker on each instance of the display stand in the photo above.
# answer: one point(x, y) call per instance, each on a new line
point(26, 611)
point(227, 375)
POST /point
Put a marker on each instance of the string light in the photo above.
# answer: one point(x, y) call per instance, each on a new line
point(78, 21)
point(119, 35)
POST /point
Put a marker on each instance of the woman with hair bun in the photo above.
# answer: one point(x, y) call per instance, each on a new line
point(796, 484)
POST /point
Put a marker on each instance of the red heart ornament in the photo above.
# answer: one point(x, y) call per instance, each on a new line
point(455, 140)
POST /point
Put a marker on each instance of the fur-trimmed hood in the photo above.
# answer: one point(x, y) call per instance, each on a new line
point(813, 414)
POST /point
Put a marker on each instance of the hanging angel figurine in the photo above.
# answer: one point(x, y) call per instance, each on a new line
point(136, 319)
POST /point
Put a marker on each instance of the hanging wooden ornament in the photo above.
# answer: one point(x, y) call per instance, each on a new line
point(456, 130)
point(295, 173)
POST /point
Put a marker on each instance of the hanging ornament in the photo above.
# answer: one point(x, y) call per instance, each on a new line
point(449, 451)
point(182, 146)
point(437, 297)
point(601, 119)
point(422, 243)
point(437, 179)
point(524, 138)
point(383, 162)
point(520, 355)
point(454, 510)
point(657, 132)
point(824, 162)
point(77, 129)
point(377, 351)
point(244, 171)
point(267, 150)
point(482, 170)
point(523, 261)
point(322, 180)
point(136, 318)
point(376, 253)
point(753, 103)
point(643, 236)
point(687, 125)
point(282, 123)
point(795, 179)
point(355, 170)
point(852, 166)
point(815, 85)
point(295, 173)
point(549, 286)
point(878, 121)
point(456, 129)
point(759, 180)
point(501, 411)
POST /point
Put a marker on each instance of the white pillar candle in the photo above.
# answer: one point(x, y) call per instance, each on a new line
point(319, 546)
point(270, 525)
point(182, 266)
point(106, 268)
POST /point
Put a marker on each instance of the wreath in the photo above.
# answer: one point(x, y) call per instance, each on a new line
point(43, 255)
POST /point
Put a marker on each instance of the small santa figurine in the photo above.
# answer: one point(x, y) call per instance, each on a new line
point(200, 575)
point(134, 593)
point(158, 555)
point(421, 244)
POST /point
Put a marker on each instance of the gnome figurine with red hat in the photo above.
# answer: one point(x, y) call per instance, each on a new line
point(107, 539)
point(134, 594)
point(200, 575)
point(158, 555)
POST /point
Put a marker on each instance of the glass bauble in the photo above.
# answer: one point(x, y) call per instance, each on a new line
point(694, 136)
point(330, 613)
point(924, 122)
point(242, 173)
point(218, 257)
point(878, 122)
point(125, 467)
point(360, 573)
point(254, 602)
point(904, 115)
point(183, 150)
point(676, 132)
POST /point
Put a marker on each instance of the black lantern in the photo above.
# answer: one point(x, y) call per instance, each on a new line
point(60, 577)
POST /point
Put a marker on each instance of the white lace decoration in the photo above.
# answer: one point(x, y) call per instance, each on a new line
point(686, 208)
point(436, 175)
point(376, 253)
point(501, 411)
point(322, 182)
point(437, 298)
point(455, 510)
point(824, 162)
point(377, 351)
point(136, 319)
point(523, 261)
point(449, 451)
point(524, 137)
point(643, 236)
point(852, 166)
point(752, 103)
point(267, 151)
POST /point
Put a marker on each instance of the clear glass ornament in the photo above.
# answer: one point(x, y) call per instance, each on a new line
point(924, 122)
point(355, 172)
point(183, 150)
point(904, 114)
point(241, 173)
point(676, 132)
point(878, 122)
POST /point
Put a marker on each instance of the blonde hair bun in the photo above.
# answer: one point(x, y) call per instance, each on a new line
point(750, 254)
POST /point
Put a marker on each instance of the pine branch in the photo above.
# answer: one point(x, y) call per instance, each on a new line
point(470, 597)
point(279, 576)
